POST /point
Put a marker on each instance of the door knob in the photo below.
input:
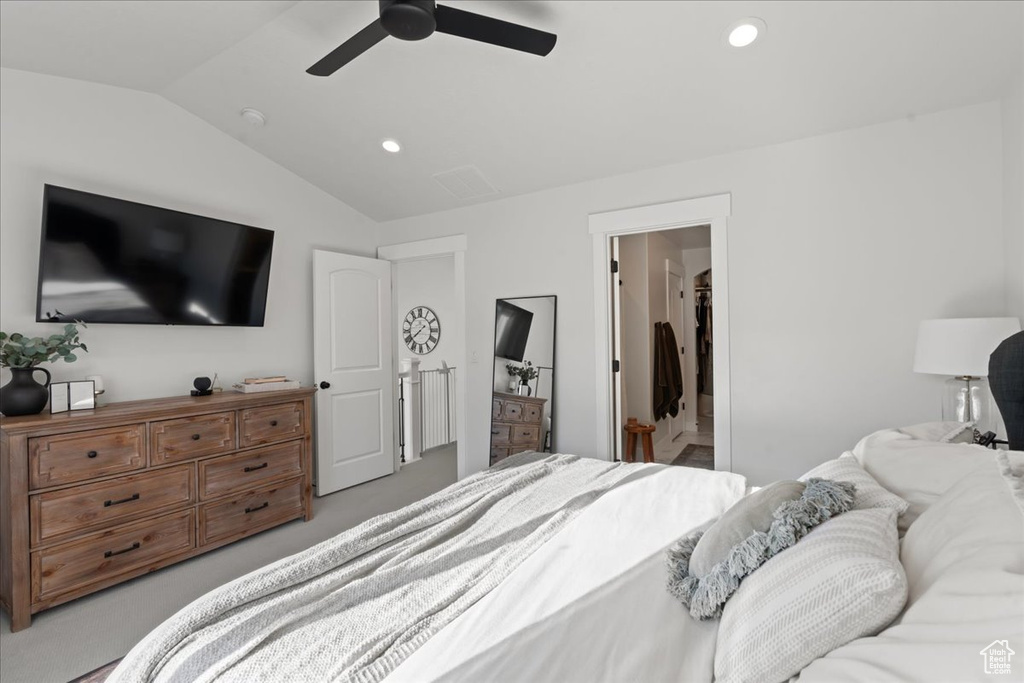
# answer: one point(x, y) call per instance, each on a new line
point(325, 385)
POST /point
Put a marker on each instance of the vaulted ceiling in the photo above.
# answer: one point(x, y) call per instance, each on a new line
point(630, 84)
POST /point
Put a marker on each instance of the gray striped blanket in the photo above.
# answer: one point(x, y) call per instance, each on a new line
point(354, 607)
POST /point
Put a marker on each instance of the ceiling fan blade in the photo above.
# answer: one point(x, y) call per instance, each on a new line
point(464, 24)
point(349, 50)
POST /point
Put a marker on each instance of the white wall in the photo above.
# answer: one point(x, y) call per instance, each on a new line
point(140, 147)
point(1013, 191)
point(428, 282)
point(866, 231)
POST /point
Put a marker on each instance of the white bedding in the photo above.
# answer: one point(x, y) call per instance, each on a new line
point(591, 605)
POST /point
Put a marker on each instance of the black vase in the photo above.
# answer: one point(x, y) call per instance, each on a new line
point(23, 395)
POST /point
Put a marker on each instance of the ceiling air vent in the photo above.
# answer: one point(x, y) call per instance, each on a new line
point(465, 182)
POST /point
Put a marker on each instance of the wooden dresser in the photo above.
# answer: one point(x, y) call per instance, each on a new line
point(517, 425)
point(91, 498)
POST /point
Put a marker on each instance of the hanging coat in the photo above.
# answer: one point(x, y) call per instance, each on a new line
point(668, 375)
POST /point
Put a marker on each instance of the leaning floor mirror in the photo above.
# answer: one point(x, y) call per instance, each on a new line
point(522, 410)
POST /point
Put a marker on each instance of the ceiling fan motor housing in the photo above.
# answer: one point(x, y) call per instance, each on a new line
point(408, 19)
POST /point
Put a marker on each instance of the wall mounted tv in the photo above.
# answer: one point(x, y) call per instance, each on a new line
point(106, 260)
point(511, 330)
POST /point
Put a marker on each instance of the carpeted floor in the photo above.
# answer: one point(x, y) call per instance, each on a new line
point(696, 455)
point(68, 641)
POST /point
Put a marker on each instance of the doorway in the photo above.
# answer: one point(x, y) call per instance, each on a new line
point(663, 342)
point(448, 376)
point(356, 357)
point(713, 211)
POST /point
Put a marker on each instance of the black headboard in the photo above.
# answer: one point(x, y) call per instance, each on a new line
point(1006, 378)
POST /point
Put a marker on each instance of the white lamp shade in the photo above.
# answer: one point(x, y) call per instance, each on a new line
point(960, 346)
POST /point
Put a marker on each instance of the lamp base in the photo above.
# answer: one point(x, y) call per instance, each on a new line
point(968, 399)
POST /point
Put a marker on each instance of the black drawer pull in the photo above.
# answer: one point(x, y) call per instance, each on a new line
point(273, 423)
point(495, 432)
point(133, 546)
point(248, 510)
point(253, 469)
point(196, 437)
point(91, 454)
point(123, 500)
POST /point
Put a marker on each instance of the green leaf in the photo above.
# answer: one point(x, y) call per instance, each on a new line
point(3, 336)
point(63, 351)
point(17, 337)
point(70, 358)
point(84, 348)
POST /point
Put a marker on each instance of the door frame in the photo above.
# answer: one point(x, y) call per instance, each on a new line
point(713, 210)
point(454, 246)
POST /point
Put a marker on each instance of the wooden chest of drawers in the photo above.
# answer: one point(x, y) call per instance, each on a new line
point(517, 425)
point(92, 498)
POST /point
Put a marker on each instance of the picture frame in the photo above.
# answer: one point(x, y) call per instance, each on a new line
point(59, 392)
point(82, 395)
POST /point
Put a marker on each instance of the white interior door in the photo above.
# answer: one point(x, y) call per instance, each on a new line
point(675, 276)
point(352, 359)
point(616, 344)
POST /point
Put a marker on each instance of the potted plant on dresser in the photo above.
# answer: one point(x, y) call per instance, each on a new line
point(23, 395)
point(525, 372)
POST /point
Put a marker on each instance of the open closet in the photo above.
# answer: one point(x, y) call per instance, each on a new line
point(703, 346)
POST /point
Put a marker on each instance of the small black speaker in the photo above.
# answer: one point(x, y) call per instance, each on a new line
point(202, 386)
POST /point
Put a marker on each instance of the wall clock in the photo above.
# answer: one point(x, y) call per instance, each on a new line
point(421, 330)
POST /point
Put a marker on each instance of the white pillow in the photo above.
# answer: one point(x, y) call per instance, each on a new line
point(870, 494)
point(964, 559)
point(942, 432)
point(842, 581)
point(921, 471)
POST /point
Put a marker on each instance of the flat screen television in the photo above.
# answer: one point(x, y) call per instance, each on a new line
point(106, 260)
point(511, 330)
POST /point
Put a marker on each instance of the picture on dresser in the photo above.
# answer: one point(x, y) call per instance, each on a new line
point(522, 404)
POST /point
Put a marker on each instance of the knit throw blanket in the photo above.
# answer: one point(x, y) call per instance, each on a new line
point(354, 607)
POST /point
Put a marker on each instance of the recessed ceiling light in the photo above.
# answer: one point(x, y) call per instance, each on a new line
point(391, 146)
point(253, 117)
point(745, 32)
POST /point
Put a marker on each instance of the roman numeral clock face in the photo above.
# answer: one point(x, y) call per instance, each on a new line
point(421, 330)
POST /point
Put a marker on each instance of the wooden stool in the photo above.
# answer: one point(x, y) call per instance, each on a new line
point(632, 429)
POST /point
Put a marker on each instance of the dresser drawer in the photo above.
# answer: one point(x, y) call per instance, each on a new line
point(268, 424)
point(533, 413)
point(497, 406)
point(67, 458)
point(513, 411)
point(498, 453)
point(526, 435)
point(501, 434)
point(254, 511)
point(101, 557)
point(191, 437)
point(58, 513)
point(244, 471)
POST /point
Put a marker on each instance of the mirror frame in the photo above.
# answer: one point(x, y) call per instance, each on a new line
point(554, 359)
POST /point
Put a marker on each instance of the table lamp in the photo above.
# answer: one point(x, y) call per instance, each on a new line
point(960, 347)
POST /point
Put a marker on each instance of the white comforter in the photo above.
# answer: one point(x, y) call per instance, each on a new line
point(590, 605)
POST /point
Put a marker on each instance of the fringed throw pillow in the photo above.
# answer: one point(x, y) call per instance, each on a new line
point(703, 575)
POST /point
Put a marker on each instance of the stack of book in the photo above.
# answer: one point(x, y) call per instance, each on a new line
point(254, 385)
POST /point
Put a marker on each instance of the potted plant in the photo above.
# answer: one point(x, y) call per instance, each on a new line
point(525, 373)
point(22, 354)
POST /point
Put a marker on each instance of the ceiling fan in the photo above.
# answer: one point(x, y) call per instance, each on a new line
point(417, 19)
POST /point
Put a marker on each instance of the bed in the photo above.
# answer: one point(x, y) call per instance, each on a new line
point(565, 582)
